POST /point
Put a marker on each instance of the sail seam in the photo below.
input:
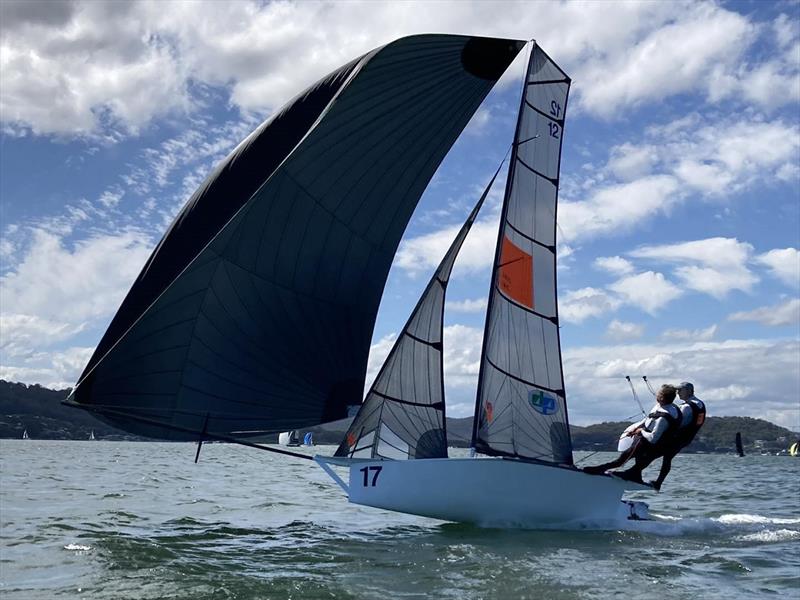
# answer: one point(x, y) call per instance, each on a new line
point(521, 380)
point(529, 238)
point(544, 114)
point(553, 320)
point(552, 180)
point(408, 402)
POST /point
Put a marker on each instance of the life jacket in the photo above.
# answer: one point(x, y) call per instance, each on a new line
point(673, 424)
point(698, 419)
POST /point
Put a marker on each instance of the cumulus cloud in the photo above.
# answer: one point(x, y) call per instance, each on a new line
point(713, 266)
point(422, 254)
point(85, 67)
point(623, 330)
point(648, 291)
point(578, 305)
point(474, 305)
point(54, 369)
point(695, 335)
point(688, 159)
point(71, 285)
point(784, 264)
point(785, 313)
point(616, 265)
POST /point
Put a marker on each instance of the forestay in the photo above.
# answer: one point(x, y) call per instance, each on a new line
point(403, 415)
point(520, 408)
point(255, 312)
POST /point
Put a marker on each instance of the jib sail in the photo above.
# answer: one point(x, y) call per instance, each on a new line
point(403, 415)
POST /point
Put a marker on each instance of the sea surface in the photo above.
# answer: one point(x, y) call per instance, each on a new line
point(118, 520)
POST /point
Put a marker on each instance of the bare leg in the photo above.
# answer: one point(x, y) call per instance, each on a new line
point(617, 462)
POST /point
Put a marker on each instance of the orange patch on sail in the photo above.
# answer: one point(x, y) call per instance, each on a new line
point(351, 439)
point(515, 275)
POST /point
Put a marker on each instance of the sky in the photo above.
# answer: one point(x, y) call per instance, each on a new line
point(679, 204)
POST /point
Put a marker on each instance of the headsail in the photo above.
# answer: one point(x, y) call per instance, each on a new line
point(255, 312)
point(403, 415)
point(520, 408)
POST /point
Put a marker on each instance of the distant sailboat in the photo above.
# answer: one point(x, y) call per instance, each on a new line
point(25, 435)
point(739, 447)
point(289, 438)
point(254, 314)
point(308, 440)
point(794, 449)
point(91, 435)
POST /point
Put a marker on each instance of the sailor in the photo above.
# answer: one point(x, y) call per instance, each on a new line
point(649, 435)
point(693, 416)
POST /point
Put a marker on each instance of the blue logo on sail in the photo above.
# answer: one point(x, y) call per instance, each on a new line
point(542, 402)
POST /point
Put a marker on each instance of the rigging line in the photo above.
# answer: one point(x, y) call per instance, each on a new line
point(635, 395)
point(649, 387)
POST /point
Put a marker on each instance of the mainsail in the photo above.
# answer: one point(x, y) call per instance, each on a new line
point(255, 312)
point(403, 414)
point(520, 408)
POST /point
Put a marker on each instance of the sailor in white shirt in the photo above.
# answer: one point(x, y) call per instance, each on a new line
point(693, 416)
point(663, 418)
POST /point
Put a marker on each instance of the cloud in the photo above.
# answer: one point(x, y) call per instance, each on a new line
point(422, 254)
point(693, 158)
point(89, 68)
point(786, 313)
point(616, 265)
point(475, 305)
point(618, 207)
point(578, 305)
point(695, 335)
point(713, 266)
point(53, 369)
point(622, 330)
point(648, 291)
point(783, 264)
point(69, 286)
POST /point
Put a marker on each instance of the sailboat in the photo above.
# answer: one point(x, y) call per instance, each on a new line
point(91, 435)
point(254, 314)
point(308, 439)
point(289, 438)
point(25, 435)
point(739, 447)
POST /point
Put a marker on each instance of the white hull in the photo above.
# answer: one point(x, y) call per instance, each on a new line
point(488, 491)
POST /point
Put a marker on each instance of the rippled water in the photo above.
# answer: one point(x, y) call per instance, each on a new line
point(141, 520)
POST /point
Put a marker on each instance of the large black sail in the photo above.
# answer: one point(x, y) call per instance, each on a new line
point(254, 314)
point(521, 409)
point(403, 415)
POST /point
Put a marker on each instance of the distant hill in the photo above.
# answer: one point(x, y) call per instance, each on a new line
point(39, 410)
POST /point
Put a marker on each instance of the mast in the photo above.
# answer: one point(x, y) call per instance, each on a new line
point(520, 408)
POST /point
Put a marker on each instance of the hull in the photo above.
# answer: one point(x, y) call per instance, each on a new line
point(489, 491)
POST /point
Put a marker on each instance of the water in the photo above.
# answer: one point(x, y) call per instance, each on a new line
point(131, 520)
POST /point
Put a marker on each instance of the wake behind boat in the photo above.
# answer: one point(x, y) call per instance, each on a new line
point(254, 314)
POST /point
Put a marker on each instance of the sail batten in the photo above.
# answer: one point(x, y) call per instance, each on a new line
point(521, 406)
